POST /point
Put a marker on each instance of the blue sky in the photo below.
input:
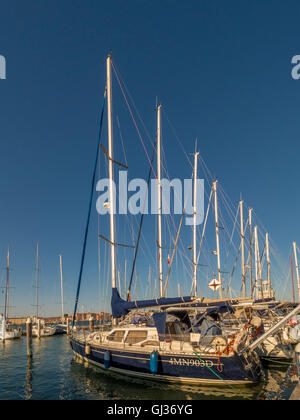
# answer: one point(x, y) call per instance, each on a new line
point(222, 70)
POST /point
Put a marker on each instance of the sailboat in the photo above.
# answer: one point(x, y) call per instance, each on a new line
point(39, 327)
point(62, 327)
point(260, 307)
point(159, 345)
point(6, 332)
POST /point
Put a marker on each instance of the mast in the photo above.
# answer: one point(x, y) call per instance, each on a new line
point(194, 226)
point(250, 250)
point(242, 249)
point(159, 200)
point(125, 278)
point(37, 280)
point(297, 269)
point(257, 266)
point(268, 265)
point(255, 257)
point(61, 288)
point(110, 169)
point(217, 237)
point(292, 272)
point(7, 288)
point(119, 282)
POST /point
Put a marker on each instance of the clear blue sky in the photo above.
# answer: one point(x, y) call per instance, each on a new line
point(222, 70)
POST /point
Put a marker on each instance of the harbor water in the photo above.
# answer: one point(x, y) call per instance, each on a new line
point(53, 374)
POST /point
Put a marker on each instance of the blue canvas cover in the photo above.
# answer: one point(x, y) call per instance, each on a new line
point(121, 307)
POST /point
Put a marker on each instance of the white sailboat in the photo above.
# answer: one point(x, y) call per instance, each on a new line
point(62, 327)
point(39, 327)
point(7, 333)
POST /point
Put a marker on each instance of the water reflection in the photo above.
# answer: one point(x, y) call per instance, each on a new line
point(28, 381)
point(113, 386)
point(52, 373)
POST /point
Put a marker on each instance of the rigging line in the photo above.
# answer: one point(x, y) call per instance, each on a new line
point(140, 119)
point(177, 138)
point(172, 219)
point(175, 229)
point(171, 216)
point(228, 202)
point(233, 230)
point(227, 207)
point(98, 239)
point(204, 227)
point(134, 106)
point(209, 176)
point(205, 175)
point(273, 249)
point(233, 269)
point(174, 250)
point(133, 119)
point(131, 229)
point(121, 137)
point(140, 230)
point(89, 211)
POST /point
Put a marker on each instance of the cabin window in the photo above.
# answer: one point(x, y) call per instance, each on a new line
point(116, 336)
point(171, 328)
point(136, 337)
point(177, 331)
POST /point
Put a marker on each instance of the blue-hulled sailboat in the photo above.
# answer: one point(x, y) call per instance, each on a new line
point(161, 344)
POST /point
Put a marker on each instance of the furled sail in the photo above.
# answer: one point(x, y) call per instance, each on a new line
point(121, 307)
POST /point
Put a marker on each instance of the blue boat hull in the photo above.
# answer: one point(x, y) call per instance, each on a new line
point(173, 367)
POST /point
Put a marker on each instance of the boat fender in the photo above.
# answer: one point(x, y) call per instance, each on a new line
point(154, 362)
point(87, 349)
point(107, 359)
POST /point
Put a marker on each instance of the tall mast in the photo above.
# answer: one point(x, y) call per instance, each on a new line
point(61, 287)
point(242, 249)
point(258, 276)
point(255, 257)
point(250, 251)
point(292, 272)
point(125, 278)
point(37, 280)
point(7, 288)
point(110, 170)
point(217, 237)
point(268, 266)
point(297, 269)
point(194, 226)
point(159, 200)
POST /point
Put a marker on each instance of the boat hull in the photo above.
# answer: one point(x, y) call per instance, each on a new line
point(172, 367)
point(44, 332)
point(11, 335)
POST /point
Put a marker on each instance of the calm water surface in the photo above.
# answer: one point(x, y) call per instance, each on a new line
point(52, 374)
